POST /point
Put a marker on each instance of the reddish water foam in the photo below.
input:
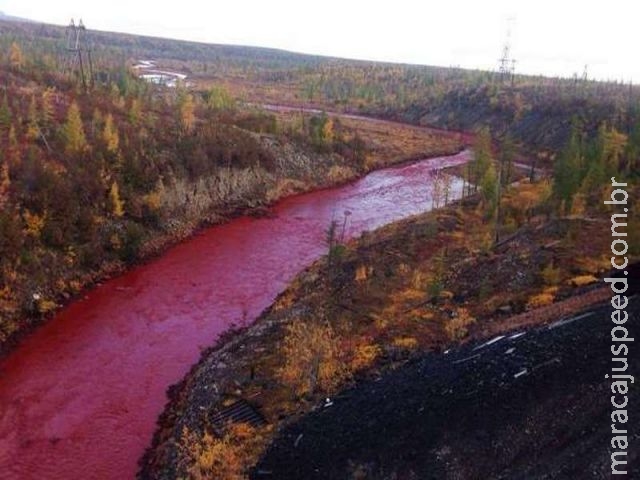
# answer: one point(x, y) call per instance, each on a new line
point(80, 397)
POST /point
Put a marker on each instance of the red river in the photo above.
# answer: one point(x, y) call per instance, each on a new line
point(79, 397)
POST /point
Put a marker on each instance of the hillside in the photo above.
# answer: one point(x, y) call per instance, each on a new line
point(526, 406)
point(91, 182)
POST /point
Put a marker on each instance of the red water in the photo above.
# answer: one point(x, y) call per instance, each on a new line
point(79, 398)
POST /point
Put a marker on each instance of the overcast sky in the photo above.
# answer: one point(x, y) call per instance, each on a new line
point(552, 37)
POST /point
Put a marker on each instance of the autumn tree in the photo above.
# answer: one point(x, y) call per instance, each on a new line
point(47, 111)
point(187, 112)
point(16, 59)
point(73, 131)
point(115, 202)
point(110, 135)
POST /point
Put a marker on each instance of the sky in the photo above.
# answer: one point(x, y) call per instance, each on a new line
point(549, 37)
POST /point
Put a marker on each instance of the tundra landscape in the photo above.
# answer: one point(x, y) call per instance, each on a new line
point(229, 262)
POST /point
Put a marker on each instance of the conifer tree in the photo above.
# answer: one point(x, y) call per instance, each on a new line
point(16, 59)
point(117, 205)
point(110, 135)
point(73, 131)
point(5, 113)
point(567, 172)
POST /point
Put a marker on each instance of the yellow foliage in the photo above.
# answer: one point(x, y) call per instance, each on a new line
point(364, 356)
point(284, 301)
point(338, 173)
point(48, 108)
point(362, 273)
point(73, 131)
point(117, 205)
point(187, 113)
point(408, 343)
point(458, 327)
point(33, 223)
point(582, 280)
point(419, 280)
point(327, 131)
point(550, 275)
point(224, 458)
point(153, 201)
point(16, 59)
point(45, 306)
point(312, 358)
point(540, 300)
point(110, 135)
point(595, 265)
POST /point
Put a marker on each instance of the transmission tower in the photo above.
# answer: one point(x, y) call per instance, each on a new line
point(506, 64)
point(79, 52)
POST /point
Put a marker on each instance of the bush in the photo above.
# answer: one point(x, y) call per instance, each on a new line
point(550, 275)
point(227, 457)
point(458, 327)
point(582, 280)
point(312, 358)
point(365, 356)
point(540, 300)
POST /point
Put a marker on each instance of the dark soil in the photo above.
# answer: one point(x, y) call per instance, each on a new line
point(533, 406)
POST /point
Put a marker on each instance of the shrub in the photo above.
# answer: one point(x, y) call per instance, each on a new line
point(458, 327)
point(582, 280)
point(540, 300)
point(550, 275)
point(226, 457)
point(406, 343)
point(364, 356)
point(312, 358)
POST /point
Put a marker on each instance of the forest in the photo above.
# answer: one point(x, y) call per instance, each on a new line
point(94, 179)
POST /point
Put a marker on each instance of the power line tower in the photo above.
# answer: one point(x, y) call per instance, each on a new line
point(506, 64)
point(79, 52)
point(585, 74)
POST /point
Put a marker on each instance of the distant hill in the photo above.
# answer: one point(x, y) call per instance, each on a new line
point(11, 18)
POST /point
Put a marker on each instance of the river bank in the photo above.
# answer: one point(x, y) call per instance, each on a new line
point(299, 170)
point(389, 299)
point(104, 363)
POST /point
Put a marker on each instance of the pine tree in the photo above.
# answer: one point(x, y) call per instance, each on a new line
point(567, 172)
point(73, 131)
point(482, 156)
point(489, 185)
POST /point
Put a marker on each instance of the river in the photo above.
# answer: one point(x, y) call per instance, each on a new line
point(79, 397)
